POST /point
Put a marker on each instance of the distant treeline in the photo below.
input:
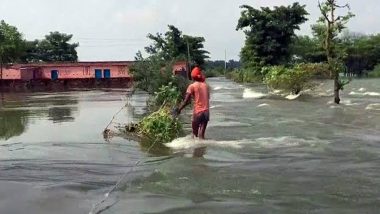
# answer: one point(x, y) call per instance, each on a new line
point(219, 67)
point(361, 52)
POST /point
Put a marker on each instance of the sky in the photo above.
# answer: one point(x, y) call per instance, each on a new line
point(117, 29)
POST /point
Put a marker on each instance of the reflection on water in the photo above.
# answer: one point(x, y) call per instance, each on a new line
point(60, 114)
point(12, 123)
point(17, 109)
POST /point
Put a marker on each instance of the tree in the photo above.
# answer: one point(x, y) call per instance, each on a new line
point(146, 72)
point(362, 53)
point(32, 52)
point(55, 47)
point(330, 25)
point(155, 70)
point(269, 33)
point(173, 45)
point(11, 45)
point(306, 49)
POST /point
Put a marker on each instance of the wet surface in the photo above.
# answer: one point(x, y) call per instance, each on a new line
point(265, 154)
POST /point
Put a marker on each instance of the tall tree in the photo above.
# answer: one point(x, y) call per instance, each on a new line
point(54, 47)
point(174, 45)
point(330, 25)
point(32, 52)
point(11, 45)
point(269, 32)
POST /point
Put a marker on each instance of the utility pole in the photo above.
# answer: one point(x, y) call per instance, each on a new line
point(225, 61)
point(188, 60)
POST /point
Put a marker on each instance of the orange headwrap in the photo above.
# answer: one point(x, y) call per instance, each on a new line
point(196, 74)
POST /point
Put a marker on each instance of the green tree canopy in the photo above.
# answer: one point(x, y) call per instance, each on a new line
point(306, 49)
point(55, 47)
point(362, 52)
point(11, 44)
point(174, 45)
point(269, 32)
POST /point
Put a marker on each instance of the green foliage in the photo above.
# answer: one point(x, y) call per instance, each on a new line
point(173, 45)
point(330, 25)
point(295, 79)
point(154, 75)
point(167, 95)
point(147, 72)
point(217, 68)
point(216, 72)
point(269, 33)
point(363, 52)
point(160, 126)
point(305, 49)
point(245, 75)
point(11, 44)
point(375, 73)
point(153, 72)
point(55, 47)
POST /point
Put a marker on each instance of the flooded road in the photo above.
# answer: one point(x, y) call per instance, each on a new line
point(265, 154)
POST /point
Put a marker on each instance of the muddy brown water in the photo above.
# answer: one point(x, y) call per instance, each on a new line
point(265, 153)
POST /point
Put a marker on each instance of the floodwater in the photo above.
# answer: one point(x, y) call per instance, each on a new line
point(265, 153)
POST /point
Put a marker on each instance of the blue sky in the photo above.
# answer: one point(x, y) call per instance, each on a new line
point(117, 29)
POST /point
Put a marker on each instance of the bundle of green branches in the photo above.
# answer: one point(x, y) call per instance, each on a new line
point(167, 95)
point(160, 126)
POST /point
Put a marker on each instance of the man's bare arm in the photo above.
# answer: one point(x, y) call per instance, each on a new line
point(185, 102)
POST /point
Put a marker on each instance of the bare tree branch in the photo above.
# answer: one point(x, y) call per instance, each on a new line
point(342, 6)
point(323, 12)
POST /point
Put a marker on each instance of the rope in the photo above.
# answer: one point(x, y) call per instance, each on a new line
point(114, 187)
point(106, 196)
point(114, 116)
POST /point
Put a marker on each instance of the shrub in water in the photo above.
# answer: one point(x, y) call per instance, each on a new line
point(294, 79)
point(375, 73)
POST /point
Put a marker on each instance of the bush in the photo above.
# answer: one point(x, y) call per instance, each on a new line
point(375, 73)
point(245, 76)
point(292, 80)
point(160, 126)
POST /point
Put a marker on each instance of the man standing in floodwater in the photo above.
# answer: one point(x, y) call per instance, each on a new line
point(201, 95)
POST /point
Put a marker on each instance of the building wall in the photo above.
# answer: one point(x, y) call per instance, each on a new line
point(11, 74)
point(28, 73)
point(82, 72)
point(75, 70)
point(180, 68)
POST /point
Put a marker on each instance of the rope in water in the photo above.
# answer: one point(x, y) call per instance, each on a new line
point(94, 209)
